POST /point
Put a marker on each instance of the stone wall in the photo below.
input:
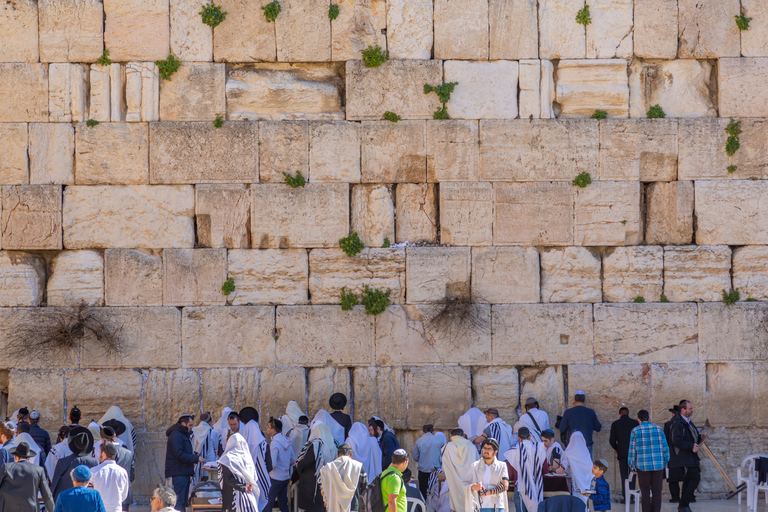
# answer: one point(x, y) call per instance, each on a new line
point(144, 216)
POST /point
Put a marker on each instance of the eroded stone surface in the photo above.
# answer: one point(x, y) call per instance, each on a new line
point(33, 389)
point(278, 387)
point(334, 151)
point(51, 154)
point(484, 89)
point(23, 93)
point(393, 152)
point(428, 401)
point(738, 87)
point(246, 37)
point(631, 272)
point(99, 105)
point(190, 40)
point(669, 213)
point(696, 273)
point(416, 212)
point(22, 279)
point(16, 320)
point(570, 274)
point(434, 274)
point(238, 387)
point(638, 150)
point(142, 92)
point(461, 29)
point(31, 217)
point(670, 382)
point(373, 214)
point(268, 276)
point(68, 92)
point(169, 394)
point(609, 35)
point(630, 387)
point(749, 274)
point(703, 155)
point(492, 387)
point(77, 277)
point(133, 277)
point(513, 29)
point(727, 404)
point(283, 147)
point(538, 213)
point(584, 86)
point(546, 385)
point(530, 89)
point(375, 392)
point(503, 275)
point(71, 31)
point(721, 221)
point(359, 25)
point(112, 154)
point(683, 88)
point(194, 93)
point(303, 31)
point(409, 29)
point(222, 214)
point(733, 333)
point(655, 35)
point(609, 213)
point(137, 29)
point(707, 30)
point(452, 150)
point(193, 277)
point(559, 36)
point(322, 383)
point(20, 19)
point(466, 213)
point(95, 391)
point(15, 162)
point(755, 43)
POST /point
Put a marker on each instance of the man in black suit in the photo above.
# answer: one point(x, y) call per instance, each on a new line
point(621, 431)
point(676, 473)
point(80, 442)
point(20, 482)
point(685, 441)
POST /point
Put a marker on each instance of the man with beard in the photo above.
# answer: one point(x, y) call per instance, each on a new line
point(497, 429)
point(180, 459)
point(528, 459)
point(489, 477)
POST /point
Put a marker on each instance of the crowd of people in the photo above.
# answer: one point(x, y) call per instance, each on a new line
point(341, 466)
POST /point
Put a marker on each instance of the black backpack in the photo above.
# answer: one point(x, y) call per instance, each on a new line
point(372, 499)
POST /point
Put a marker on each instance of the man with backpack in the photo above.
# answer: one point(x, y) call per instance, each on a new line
point(387, 492)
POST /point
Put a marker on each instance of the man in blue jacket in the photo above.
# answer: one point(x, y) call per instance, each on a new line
point(180, 459)
point(581, 418)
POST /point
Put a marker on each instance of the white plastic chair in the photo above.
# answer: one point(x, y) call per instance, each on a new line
point(746, 474)
point(293, 491)
point(629, 493)
point(416, 503)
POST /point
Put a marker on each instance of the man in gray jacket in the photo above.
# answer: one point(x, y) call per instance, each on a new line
point(20, 481)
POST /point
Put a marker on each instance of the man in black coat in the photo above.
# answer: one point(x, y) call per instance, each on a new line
point(676, 473)
point(685, 441)
point(40, 435)
point(20, 481)
point(180, 459)
point(621, 430)
point(80, 442)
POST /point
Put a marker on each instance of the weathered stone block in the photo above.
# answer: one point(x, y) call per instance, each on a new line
point(23, 93)
point(193, 277)
point(513, 29)
point(22, 279)
point(68, 92)
point(248, 37)
point(303, 32)
point(16, 320)
point(133, 277)
point(703, 155)
point(530, 89)
point(739, 90)
point(672, 383)
point(325, 206)
point(112, 153)
point(493, 387)
point(139, 216)
point(434, 274)
point(749, 274)
point(278, 387)
point(117, 108)
point(360, 24)
point(484, 89)
point(560, 37)
point(466, 213)
point(373, 213)
point(31, 217)
point(570, 274)
point(142, 92)
point(755, 43)
point(223, 214)
point(547, 386)
point(696, 273)
point(285, 91)
point(409, 29)
point(437, 395)
point(324, 335)
point(334, 152)
point(395, 86)
point(707, 30)
point(584, 86)
point(168, 394)
point(331, 270)
point(539, 213)
point(190, 40)
point(202, 153)
point(394, 152)
point(630, 272)
point(682, 88)
point(51, 154)
point(452, 150)
point(323, 382)
point(609, 35)
point(378, 391)
point(538, 150)
point(283, 147)
point(19, 21)
point(729, 212)
point(541, 333)
point(15, 162)
point(77, 277)
point(95, 391)
point(630, 387)
point(195, 93)
point(638, 150)
point(416, 212)
point(137, 29)
point(761, 381)
point(655, 29)
point(609, 213)
point(100, 102)
point(40, 391)
point(71, 31)
point(669, 213)
point(461, 29)
point(733, 333)
point(249, 340)
point(269, 276)
point(235, 388)
point(729, 403)
point(503, 275)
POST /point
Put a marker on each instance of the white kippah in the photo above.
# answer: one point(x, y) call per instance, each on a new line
point(400, 452)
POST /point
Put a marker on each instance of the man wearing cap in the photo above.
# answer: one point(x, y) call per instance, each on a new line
point(497, 429)
point(581, 418)
point(6, 440)
point(534, 419)
point(426, 452)
point(648, 456)
point(338, 402)
point(621, 430)
point(41, 437)
point(80, 498)
point(488, 477)
point(110, 479)
point(80, 442)
point(392, 486)
point(180, 459)
point(20, 481)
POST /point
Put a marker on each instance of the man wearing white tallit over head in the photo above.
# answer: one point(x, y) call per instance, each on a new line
point(237, 477)
point(534, 419)
point(24, 437)
point(365, 449)
point(295, 426)
point(249, 428)
point(577, 463)
point(129, 436)
point(291, 417)
point(458, 456)
point(527, 458)
point(342, 481)
point(488, 480)
point(472, 423)
point(205, 441)
point(337, 430)
point(222, 428)
point(497, 429)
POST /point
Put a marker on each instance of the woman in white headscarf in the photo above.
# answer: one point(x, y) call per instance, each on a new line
point(26, 438)
point(365, 449)
point(237, 477)
point(577, 463)
point(129, 436)
point(320, 449)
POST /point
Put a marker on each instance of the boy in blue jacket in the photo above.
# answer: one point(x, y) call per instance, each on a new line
point(601, 499)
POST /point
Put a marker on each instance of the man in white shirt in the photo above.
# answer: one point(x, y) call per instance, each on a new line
point(110, 479)
point(489, 478)
point(534, 419)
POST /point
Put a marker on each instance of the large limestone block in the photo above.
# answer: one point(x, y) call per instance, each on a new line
point(584, 86)
point(504, 275)
point(669, 213)
point(193, 277)
point(655, 31)
point(168, 394)
point(194, 93)
point(570, 274)
point(696, 273)
point(707, 29)
point(246, 36)
point(23, 92)
point(630, 272)
point(513, 29)
point(409, 29)
point(485, 90)
point(285, 91)
point(331, 270)
point(139, 216)
point(100, 102)
point(278, 387)
point(77, 277)
point(394, 152)
point(493, 387)
point(142, 92)
point(761, 380)
point(31, 217)
point(112, 154)
point(137, 29)
point(269, 276)
point(434, 274)
point(51, 154)
point(71, 31)
point(703, 155)
point(749, 272)
point(466, 213)
point(324, 335)
point(361, 23)
point(395, 86)
point(537, 150)
point(191, 40)
point(22, 279)
point(530, 89)
point(461, 29)
point(674, 382)
point(95, 391)
point(609, 213)
point(630, 387)
point(609, 35)
point(546, 384)
point(438, 395)
point(283, 147)
point(733, 333)
point(729, 402)
point(538, 213)
point(739, 87)
point(452, 150)
point(303, 31)
point(416, 209)
point(314, 216)
point(682, 87)
point(40, 391)
point(373, 213)
point(222, 214)
point(378, 391)
point(646, 333)
point(730, 212)
point(16, 320)
point(322, 383)
point(133, 277)
point(235, 388)
point(248, 331)
point(638, 150)
point(754, 43)
point(201, 153)
point(534, 334)
point(15, 162)
point(19, 23)
point(560, 37)
point(334, 151)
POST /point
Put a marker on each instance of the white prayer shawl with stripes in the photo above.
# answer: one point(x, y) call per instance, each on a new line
point(258, 446)
point(129, 436)
point(472, 422)
point(237, 458)
point(458, 456)
point(58, 452)
point(437, 493)
point(222, 427)
point(475, 474)
point(528, 460)
point(501, 432)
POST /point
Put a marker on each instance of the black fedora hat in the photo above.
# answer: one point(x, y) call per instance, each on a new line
point(80, 441)
point(249, 413)
point(675, 409)
point(23, 451)
point(337, 401)
point(117, 425)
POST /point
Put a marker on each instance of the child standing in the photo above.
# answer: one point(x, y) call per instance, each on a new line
point(601, 499)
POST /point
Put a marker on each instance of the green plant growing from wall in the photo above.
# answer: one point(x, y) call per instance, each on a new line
point(663, 298)
point(295, 181)
point(751, 299)
point(638, 300)
point(443, 91)
point(348, 299)
point(333, 12)
point(733, 130)
point(583, 17)
point(656, 112)
point(731, 168)
point(271, 10)
point(374, 56)
point(218, 122)
point(387, 244)
point(228, 287)
point(167, 67)
point(212, 14)
point(440, 113)
point(91, 123)
point(374, 300)
point(730, 298)
point(352, 244)
point(742, 22)
point(104, 60)
point(582, 180)
point(600, 114)
point(391, 117)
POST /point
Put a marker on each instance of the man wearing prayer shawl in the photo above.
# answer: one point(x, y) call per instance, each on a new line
point(319, 450)
point(487, 480)
point(205, 441)
point(342, 481)
point(438, 499)
point(128, 437)
point(535, 420)
point(458, 456)
point(24, 437)
point(365, 449)
point(257, 443)
point(238, 478)
point(337, 431)
point(472, 423)
point(295, 426)
point(222, 427)
point(497, 429)
point(58, 451)
point(577, 463)
point(528, 459)
point(291, 417)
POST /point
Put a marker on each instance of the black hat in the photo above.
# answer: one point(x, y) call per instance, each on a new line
point(108, 432)
point(22, 451)
point(249, 413)
point(338, 401)
point(675, 409)
point(80, 441)
point(118, 426)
